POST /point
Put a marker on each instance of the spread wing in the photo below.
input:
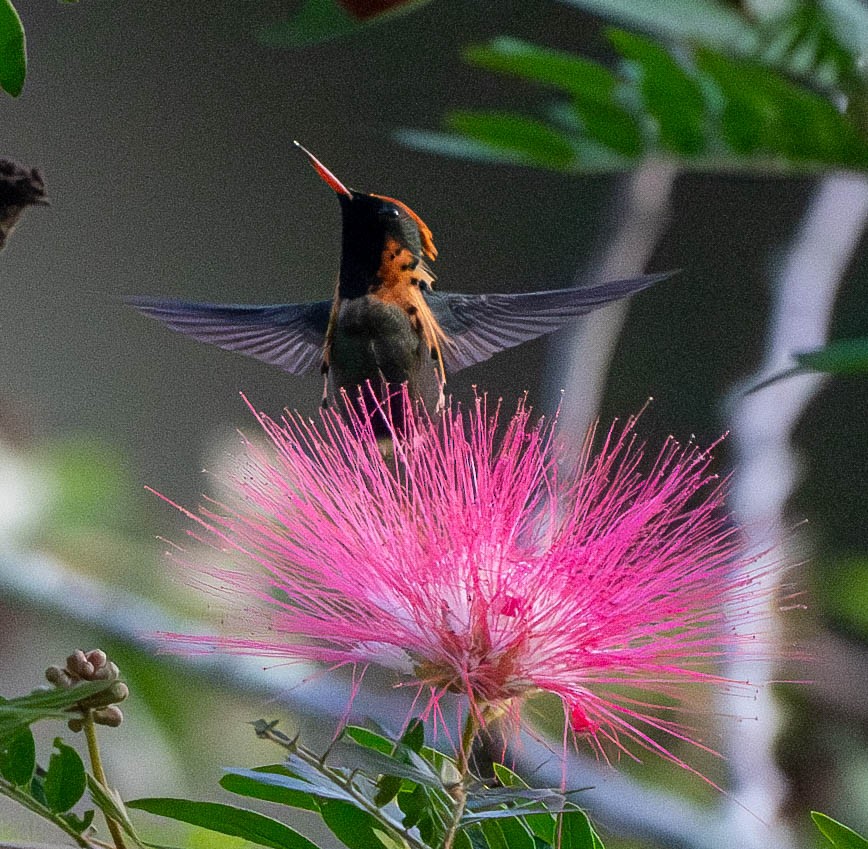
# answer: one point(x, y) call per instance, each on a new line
point(289, 336)
point(479, 326)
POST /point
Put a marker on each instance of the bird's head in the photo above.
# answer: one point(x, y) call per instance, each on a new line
point(373, 224)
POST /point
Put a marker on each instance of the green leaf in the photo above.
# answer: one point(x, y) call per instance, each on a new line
point(369, 739)
point(577, 832)
point(37, 789)
point(351, 825)
point(242, 785)
point(92, 485)
point(226, 819)
point(388, 841)
point(18, 757)
point(79, 824)
point(672, 97)
point(538, 818)
point(840, 836)
point(846, 596)
point(414, 735)
point(543, 826)
point(708, 22)
point(316, 21)
point(413, 804)
point(429, 830)
point(494, 834)
point(401, 758)
point(805, 42)
point(13, 50)
point(22, 711)
point(319, 788)
point(845, 356)
point(321, 20)
point(491, 797)
point(610, 126)
point(507, 777)
point(376, 763)
point(592, 87)
point(458, 146)
point(111, 804)
point(463, 841)
point(849, 20)
point(403, 752)
point(477, 838)
point(764, 113)
point(387, 788)
point(65, 780)
point(516, 834)
point(566, 71)
point(848, 357)
point(530, 140)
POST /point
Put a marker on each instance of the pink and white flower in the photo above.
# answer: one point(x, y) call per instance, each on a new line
point(469, 562)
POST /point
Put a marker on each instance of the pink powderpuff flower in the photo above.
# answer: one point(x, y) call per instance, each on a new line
point(467, 563)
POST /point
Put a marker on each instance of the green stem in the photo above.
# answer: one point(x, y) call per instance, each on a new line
point(99, 774)
point(459, 790)
point(26, 800)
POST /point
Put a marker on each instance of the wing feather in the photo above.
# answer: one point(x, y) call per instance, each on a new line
point(289, 336)
point(479, 326)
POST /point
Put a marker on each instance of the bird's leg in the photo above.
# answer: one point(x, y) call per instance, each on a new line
point(325, 383)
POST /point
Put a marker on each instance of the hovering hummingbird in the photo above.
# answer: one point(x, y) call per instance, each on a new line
point(385, 325)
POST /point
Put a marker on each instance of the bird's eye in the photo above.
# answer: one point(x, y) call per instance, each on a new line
point(389, 212)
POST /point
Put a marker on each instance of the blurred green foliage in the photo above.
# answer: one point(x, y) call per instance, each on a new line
point(844, 357)
point(843, 595)
point(13, 53)
point(93, 485)
point(720, 91)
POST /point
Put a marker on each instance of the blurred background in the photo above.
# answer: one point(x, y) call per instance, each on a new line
point(164, 135)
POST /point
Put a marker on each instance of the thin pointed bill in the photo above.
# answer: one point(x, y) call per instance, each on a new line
point(328, 178)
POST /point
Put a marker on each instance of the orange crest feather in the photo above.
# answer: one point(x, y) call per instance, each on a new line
point(427, 238)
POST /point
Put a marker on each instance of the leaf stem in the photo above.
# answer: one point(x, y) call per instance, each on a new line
point(26, 800)
point(99, 774)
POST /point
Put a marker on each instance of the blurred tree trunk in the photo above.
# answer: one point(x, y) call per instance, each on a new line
point(767, 470)
point(640, 215)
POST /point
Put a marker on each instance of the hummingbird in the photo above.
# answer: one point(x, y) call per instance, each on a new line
point(386, 325)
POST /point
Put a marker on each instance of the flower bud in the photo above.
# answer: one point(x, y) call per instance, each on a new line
point(112, 716)
point(59, 677)
point(91, 666)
